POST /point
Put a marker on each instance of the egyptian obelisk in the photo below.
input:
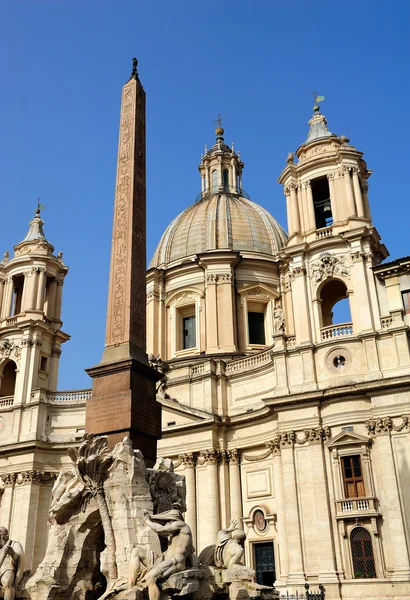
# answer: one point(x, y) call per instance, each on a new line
point(123, 399)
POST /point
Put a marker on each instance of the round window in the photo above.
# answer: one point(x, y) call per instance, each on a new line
point(259, 520)
point(339, 361)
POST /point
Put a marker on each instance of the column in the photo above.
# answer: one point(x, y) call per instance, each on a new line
point(207, 184)
point(281, 514)
point(303, 217)
point(333, 202)
point(349, 193)
point(33, 295)
point(358, 193)
point(55, 363)
point(8, 298)
point(365, 195)
point(296, 574)
point(234, 186)
point(59, 299)
point(235, 484)
point(220, 179)
point(212, 498)
point(41, 289)
point(188, 460)
point(289, 211)
point(2, 288)
point(392, 511)
point(25, 294)
point(294, 208)
point(310, 206)
point(203, 183)
point(51, 298)
point(211, 313)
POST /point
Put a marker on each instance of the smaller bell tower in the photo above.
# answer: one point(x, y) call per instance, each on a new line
point(326, 190)
point(332, 243)
point(31, 292)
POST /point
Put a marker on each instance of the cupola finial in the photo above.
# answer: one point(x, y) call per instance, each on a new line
point(317, 99)
point(218, 122)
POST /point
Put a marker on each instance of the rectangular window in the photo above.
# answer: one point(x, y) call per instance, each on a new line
point(189, 332)
point(256, 327)
point(406, 301)
point(353, 476)
point(265, 564)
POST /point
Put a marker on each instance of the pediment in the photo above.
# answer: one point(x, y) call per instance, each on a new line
point(348, 438)
point(258, 289)
point(181, 414)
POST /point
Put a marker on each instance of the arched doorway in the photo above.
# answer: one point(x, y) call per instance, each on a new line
point(8, 379)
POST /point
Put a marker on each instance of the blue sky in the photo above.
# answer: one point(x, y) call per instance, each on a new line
point(62, 66)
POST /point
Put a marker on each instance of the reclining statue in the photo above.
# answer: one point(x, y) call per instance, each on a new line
point(11, 565)
point(228, 550)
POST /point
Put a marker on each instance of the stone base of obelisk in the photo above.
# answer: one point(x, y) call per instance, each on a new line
point(124, 403)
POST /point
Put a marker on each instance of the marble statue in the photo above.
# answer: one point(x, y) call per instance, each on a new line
point(278, 320)
point(228, 550)
point(11, 565)
point(147, 568)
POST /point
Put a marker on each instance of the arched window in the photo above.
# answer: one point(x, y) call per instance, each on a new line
point(362, 554)
point(215, 181)
point(335, 303)
point(8, 380)
point(226, 180)
point(321, 202)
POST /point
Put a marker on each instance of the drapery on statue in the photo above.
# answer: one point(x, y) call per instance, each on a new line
point(278, 320)
point(146, 568)
point(11, 565)
point(228, 550)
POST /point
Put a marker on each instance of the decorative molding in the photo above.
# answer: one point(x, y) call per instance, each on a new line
point(188, 459)
point(210, 457)
point(384, 425)
point(153, 295)
point(234, 456)
point(33, 476)
point(9, 349)
point(213, 278)
point(287, 439)
point(56, 351)
point(296, 272)
point(329, 265)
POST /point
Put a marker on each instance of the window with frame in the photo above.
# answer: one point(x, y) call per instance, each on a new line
point(362, 554)
point(353, 481)
point(406, 301)
point(189, 332)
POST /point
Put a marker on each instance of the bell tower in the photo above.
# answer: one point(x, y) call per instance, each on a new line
point(31, 291)
point(332, 243)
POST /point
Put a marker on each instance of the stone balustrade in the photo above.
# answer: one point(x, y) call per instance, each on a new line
point(324, 233)
point(248, 363)
point(69, 396)
point(335, 331)
point(6, 401)
point(354, 507)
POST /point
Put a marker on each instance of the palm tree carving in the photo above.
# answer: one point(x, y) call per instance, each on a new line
point(91, 462)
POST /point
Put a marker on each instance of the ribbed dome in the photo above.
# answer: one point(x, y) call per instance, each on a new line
point(219, 222)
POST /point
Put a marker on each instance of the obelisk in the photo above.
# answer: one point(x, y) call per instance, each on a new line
point(123, 400)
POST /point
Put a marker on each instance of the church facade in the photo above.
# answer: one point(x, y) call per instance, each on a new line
point(278, 411)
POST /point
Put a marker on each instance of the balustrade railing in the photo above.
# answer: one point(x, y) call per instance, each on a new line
point(6, 401)
point(222, 189)
point(69, 396)
point(326, 232)
point(243, 364)
point(355, 505)
point(335, 331)
point(386, 322)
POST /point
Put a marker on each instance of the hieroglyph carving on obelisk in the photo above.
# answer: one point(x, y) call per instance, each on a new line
point(125, 334)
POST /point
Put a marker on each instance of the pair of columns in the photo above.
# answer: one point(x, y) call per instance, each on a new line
point(33, 294)
point(211, 458)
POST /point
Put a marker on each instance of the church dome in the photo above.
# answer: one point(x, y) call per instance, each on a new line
point(220, 221)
